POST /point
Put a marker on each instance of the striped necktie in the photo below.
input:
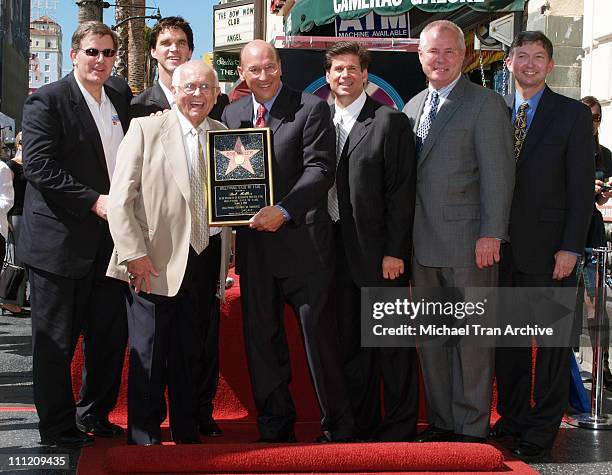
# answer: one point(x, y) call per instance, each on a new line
point(197, 205)
point(332, 194)
point(520, 129)
point(426, 121)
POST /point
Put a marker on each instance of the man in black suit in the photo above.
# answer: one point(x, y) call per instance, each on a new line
point(372, 206)
point(171, 45)
point(286, 253)
point(551, 211)
point(72, 129)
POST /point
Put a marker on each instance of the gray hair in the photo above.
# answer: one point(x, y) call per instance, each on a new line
point(176, 75)
point(443, 25)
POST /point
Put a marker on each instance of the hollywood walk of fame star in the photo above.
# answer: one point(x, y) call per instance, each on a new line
point(239, 157)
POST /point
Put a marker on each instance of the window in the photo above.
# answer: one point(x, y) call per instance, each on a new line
point(29, 78)
point(49, 44)
point(47, 55)
point(37, 42)
point(47, 68)
point(46, 79)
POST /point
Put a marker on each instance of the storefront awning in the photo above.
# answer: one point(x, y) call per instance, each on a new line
point(306, 14)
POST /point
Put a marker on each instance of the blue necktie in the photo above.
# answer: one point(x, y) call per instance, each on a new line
point(426, 121)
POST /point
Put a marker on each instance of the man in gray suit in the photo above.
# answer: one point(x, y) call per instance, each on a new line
point(465, 178)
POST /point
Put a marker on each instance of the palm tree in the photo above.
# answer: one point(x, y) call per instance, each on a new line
point(122, 11)
point(136, 47)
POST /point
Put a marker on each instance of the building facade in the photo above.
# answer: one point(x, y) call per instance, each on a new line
point(14, 51)
point(45, 64)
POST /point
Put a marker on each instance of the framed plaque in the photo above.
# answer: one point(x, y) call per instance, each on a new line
point(239, 174)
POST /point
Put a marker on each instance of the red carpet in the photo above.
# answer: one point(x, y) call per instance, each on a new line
point(234, 452)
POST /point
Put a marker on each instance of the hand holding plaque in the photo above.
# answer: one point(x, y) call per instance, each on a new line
point(239, 175)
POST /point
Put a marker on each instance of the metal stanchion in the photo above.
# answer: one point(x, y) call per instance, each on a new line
point(597, 419)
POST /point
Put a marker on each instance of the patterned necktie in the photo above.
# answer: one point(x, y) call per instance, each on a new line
point(426, 121)
point(260, 120)
point(520, 128)
point(332, 194)
point(197, 204)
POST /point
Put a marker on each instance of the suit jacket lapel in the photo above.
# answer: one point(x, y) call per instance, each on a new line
point(82, 112)
point(451, 103)
point(172, 144)
point(420, 106)
point(158, 97)
point(277, 114)
point(116, 99)
point(360, 128)
point(541, 121)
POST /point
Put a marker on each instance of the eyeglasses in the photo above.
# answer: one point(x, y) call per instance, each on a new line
point(191, 88)
point(596, 117)
point(95, 52)
point(269, 69)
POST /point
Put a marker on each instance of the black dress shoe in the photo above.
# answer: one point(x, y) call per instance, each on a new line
point(528, 451)
point(99, 427)
point(434, 434)
point(72, 438)
point(498, 432)
point(325, 439)
point(470, 439)
point(210, 429)
point(287, 439)
point(188, 440)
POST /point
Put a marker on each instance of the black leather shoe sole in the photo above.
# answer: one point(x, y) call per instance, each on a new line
point(100, 428)
point(69, 439)
point(529, 451)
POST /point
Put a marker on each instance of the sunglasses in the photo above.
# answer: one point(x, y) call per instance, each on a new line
point(95, 52)
point(596, 117)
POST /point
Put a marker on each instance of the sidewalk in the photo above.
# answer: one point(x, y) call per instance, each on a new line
point(577, 451)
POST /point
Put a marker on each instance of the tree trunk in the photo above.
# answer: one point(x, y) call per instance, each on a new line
point(122, 11)
point(89, 10)
point(136, 47)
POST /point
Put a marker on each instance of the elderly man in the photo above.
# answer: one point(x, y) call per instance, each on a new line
point(71, 131)
point(171, 45)
point(465, 178)
point(286, 254)
point(165, 249)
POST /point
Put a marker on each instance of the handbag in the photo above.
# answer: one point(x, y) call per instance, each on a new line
point(12, 276)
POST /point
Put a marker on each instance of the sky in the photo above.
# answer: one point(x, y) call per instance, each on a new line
point(197, 12)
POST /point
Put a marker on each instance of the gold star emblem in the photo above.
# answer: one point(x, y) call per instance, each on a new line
point(239, 157)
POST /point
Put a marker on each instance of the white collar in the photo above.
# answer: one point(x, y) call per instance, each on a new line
point(88, 97)
point(350, 112)
point(187, 126)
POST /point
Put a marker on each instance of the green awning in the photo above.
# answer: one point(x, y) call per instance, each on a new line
point(306, 14)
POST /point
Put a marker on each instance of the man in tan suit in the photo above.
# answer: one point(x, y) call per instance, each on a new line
point(166, 251)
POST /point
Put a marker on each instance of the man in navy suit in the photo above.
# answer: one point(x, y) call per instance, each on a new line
point(72, 129)
point(549, 219)
point(286, 253)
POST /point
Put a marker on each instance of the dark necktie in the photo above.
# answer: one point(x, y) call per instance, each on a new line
point(260, 120)
point(426, 121)
point(520, 128)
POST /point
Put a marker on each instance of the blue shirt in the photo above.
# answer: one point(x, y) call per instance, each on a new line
point(531, 110)
point(268, 105)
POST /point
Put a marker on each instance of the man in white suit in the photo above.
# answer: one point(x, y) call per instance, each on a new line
point(166, 251)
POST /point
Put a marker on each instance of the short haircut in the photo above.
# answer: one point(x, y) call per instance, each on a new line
point(525, 37)
point(176, 75)
point(276, 54)
point(591, 101)
point(171, 23)
point(93, 28)
point(443, 25)
point(347, 47)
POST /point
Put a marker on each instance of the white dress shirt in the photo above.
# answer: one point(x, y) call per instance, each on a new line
point(108, 123)
point(350, 113)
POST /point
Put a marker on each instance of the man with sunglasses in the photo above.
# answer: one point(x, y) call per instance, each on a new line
point(168, 254)
point(71, 131)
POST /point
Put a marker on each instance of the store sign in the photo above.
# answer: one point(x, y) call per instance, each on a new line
point(375, 26)
point(341, 6)
point(234, 25)
point(226, 65)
